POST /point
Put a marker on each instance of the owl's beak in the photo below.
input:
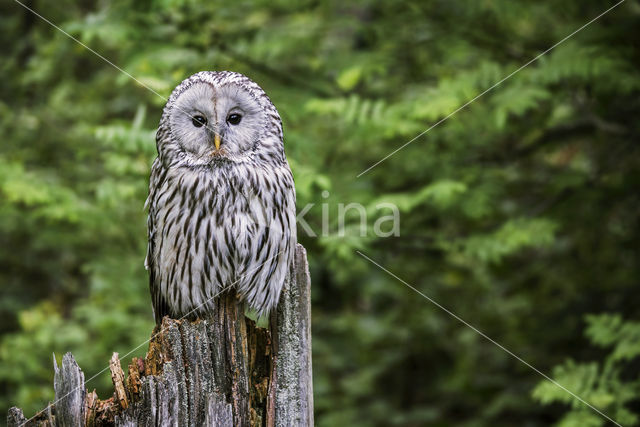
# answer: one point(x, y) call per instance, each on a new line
point(216, 141)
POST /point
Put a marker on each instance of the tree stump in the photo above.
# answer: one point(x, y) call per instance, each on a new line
point(219, 371)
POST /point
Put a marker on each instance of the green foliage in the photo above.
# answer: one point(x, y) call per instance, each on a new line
point(603, 384)
point(518, 212)
point(510, 238)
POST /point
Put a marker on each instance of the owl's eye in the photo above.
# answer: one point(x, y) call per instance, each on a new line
point(234, 119)
point(198, 121)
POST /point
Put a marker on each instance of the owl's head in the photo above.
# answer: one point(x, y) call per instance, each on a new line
point(215, 116)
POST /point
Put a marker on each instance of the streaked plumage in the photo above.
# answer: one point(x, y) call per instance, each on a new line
point(219, 218)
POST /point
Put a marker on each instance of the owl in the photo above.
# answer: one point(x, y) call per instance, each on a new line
point(221, 198)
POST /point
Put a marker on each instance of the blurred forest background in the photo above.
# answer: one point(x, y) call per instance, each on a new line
point(519, 214)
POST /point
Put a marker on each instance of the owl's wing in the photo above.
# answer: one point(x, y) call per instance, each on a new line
point(160, 306)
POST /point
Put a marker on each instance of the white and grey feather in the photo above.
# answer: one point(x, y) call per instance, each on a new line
point(220, 217)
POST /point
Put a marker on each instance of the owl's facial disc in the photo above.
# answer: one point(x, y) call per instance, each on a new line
point(216, 122)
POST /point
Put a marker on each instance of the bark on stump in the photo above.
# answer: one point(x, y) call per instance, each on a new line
point(221, 371)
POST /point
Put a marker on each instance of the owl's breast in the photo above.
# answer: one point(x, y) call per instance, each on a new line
point(220, 229)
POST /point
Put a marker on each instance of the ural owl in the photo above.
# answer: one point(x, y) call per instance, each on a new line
point(221, 198)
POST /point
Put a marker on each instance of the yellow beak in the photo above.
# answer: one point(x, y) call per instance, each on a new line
point(216, 141)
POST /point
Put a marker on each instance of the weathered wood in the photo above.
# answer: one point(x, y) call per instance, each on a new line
point(294, 387)
point(220, 371)
point(15, 417)
point(68, 383)
point(117, 377)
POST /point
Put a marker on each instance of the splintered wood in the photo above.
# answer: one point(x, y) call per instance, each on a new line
point(117, 376)
point(220, 371)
